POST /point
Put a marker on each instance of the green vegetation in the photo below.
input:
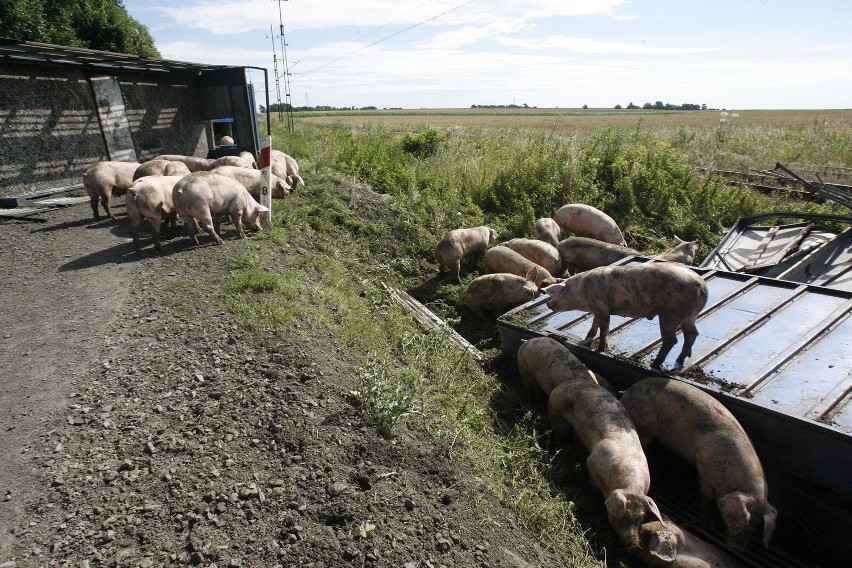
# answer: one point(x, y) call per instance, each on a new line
point(321, 269)
point(94, 24)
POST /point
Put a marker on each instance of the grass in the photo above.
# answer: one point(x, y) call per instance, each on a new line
point(332, 245)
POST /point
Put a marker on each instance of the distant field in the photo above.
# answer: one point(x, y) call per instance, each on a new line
point(573, 120)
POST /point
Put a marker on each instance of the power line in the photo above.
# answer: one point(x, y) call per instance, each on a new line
point(368, 34)
point(389, 37)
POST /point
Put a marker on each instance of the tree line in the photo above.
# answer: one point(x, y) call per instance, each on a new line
point(92, 24)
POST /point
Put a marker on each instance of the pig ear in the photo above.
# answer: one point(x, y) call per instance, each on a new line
point(734, 509)
point(616, 504)
point(263, 208)
point(678, 240)
point(769, 524)
point(652, 507)
point(663, 546)
point(532, 274)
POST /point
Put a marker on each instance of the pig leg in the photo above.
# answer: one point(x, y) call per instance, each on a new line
point(690, 332)
point(603, 323)
point(207, 223)
point(592, 333)
point(93, 200)
point(237, 220)
point(668, 334)
point(457, 270)
point(155, 229)
point(105, 198)
point(190, 227)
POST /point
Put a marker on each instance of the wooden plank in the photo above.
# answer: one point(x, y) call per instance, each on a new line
point(429, 320)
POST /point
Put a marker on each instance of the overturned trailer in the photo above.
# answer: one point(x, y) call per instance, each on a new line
point(63, 109)
point(775, 347)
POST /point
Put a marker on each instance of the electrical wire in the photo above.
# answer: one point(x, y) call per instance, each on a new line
point(411, 27)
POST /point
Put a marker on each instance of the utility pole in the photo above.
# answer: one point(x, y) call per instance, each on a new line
point(275, 69)
point(288, 105)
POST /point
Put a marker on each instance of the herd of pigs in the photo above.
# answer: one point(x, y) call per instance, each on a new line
point(680, 417)
point(198, 190)
point(582, 243)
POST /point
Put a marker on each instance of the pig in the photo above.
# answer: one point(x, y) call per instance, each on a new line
point(586, 221)
point(617, 464)
point(201, 195)
point(503, 259)
point(225, 141)
point(667, 544)
point(160, 168)
point(286, 167)
point(549, 231)
point(460, 243)
point(671, 291)
point(698, 428)
point(105, 179)
point(252, 180)
point(151, 197)
point(683, 251)
point(194, 164)
point(544, 363)
point(540, 252)
point(498, 293)
point(582, 253)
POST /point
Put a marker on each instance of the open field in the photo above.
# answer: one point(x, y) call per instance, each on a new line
point(573, 120)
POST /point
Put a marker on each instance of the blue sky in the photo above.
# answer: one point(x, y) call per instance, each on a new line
point(739, 55)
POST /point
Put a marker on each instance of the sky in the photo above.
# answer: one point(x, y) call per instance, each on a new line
point(734, 55)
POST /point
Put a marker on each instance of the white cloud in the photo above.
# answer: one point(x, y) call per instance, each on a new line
point(588, 45)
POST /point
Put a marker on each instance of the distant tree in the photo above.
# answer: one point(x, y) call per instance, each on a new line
point(585, 106)
point(94, 24)
point(631, 106)
point(617, 107)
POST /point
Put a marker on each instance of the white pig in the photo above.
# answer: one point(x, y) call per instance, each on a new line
point(667, 544)
point(683, 251)
point(151, 197)
point(549, 231)
point(671, 291)
point(587, 221)
point(201, 195)
point(496, 294)
point(105, 179)
point(617, 464)
point(697, 427)
point(544, 363)
point(160, 168)
point(460, 243)
point(503, 259)
point(286, 167)
point(193, 163)
point(542, 253)
point(253, 180)
point(238, 161)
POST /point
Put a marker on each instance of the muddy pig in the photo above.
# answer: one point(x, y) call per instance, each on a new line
point(616, 462)
point(582, 253)
point(151, 197)
point(683, 251)
point(586, 221)
point(461, 243)
point(670, 545)
point(549, 231)
point(105, 179)
point(202, 195)
point(503, 259)
point(540, 252)
point(496, 294)
point(695, 426)
point(544, 363)
point(671, 291)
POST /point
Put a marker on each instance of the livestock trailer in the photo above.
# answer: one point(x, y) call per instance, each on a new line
point(776, 351)
point(64, 108)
